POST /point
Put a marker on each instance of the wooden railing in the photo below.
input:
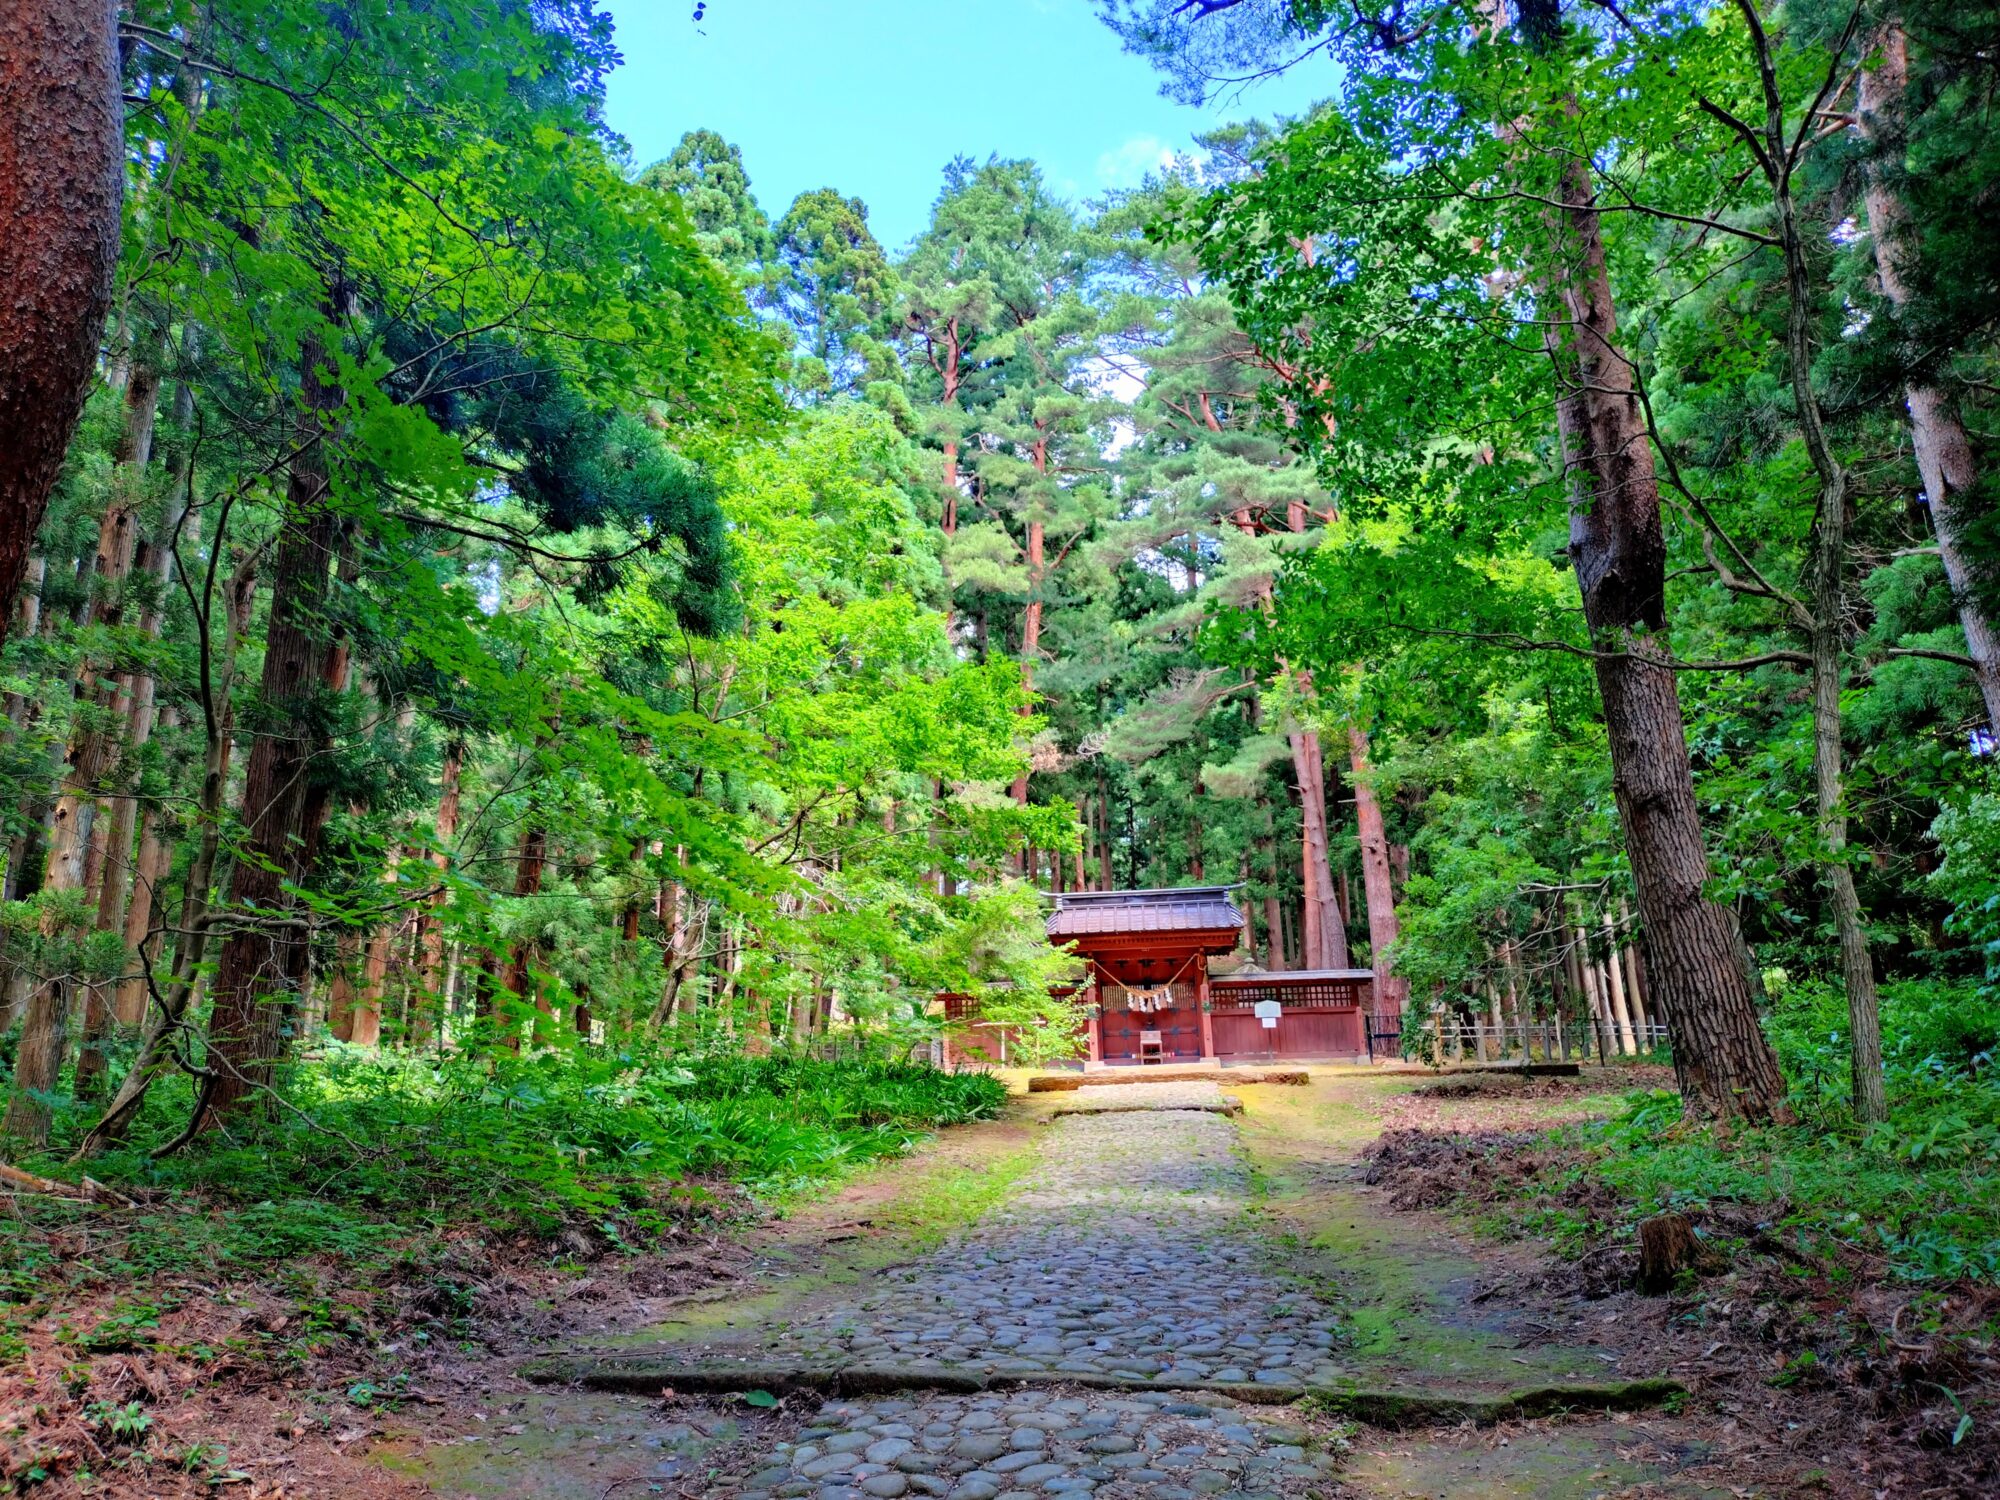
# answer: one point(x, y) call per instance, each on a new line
point(1444, 1041)
point(1235, 992)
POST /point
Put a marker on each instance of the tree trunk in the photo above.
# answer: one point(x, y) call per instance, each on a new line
point(1724, 1064)
point(1827, 572)
point(1197, 837)
point(155, 858)
point(1614, 987)
point(1635, 991)
point(1937, 432)
point(528, 871)
point(38, 1060)
point(62, 171)
point(1107, 877)
point(1325, 938)
point(135, 697)
point(1378, 890)
point(262, 964)
point(948, 511)
point(77, 842)
point(1031, 630)
point(27, 624)
point(430, 940)
point(1267, 854)
point(156, 1055)
point(340, 1003)
point(367, 1028)
point(1593, 995)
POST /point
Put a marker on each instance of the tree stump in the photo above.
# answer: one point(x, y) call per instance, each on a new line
point(1667, 1247)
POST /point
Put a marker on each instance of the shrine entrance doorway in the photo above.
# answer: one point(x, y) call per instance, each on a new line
point(1138, 995)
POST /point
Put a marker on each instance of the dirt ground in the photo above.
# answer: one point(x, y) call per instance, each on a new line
point(1800, 1379)
point(1803, 1377)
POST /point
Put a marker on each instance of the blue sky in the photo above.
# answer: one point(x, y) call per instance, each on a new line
point(873, 97)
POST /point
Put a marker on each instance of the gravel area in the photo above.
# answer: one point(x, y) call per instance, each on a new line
point(1033, 1444)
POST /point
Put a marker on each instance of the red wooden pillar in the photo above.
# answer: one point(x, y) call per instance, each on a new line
point(1095, 1025)
point(1201, 1000)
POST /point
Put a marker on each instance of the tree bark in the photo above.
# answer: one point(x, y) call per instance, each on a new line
point(1325, 937)
point(430, 941)
point(1031, 617)
point(133, 700)
point(528, 871)
point(62, 132)
point(1826, 573)
point(1937, 431)
point(262, 964)
point(156, 1047)
point(340, 1001)
point(1635, 990)
point(78, 840)
point(154, 860)
point(38, 1060)
point(1107, 877)
point(1377, 888)
point(1267, 851)
point(1618, 549)
point(1614, 987)
point(366, 1030)
point(1593, 995)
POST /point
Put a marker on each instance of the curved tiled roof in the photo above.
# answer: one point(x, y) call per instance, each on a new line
point(1196, 908)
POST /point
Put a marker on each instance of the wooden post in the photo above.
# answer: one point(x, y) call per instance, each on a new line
point(1635, 993)
point(1095, 1026)
point(1494, 1017)
point(1614, 975)
point(1201, 1001)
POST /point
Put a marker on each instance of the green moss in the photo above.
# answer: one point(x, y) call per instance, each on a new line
point(941, 1202)
point(1402, 1294)
point(1579, 1461)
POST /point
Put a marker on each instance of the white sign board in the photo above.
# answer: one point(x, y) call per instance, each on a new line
point(1267, 1011)
point(1269, 1023)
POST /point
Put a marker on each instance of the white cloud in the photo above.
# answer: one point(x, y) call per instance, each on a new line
point(1128, 165)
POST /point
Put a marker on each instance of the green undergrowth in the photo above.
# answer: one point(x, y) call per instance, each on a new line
point(1910, 1192)
point(1919, 1193)
point(582, 1151)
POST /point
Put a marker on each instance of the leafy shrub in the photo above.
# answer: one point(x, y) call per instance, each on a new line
point(1922, 1192)
point(1969, 877)
point(366, 1148)
point(1934, 1035)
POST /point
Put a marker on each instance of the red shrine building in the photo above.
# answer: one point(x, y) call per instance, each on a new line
point(1166, 985)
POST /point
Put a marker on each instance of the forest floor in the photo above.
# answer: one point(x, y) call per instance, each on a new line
point(1314, 1297)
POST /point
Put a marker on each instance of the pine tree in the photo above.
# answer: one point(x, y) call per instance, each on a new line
point(833, 285)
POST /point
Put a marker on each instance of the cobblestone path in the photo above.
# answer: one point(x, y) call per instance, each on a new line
point(1034, 1445)
point(1122, 1253)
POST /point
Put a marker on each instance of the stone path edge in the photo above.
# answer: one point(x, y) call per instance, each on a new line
point(1389, 1408)
point(1070, 1083)
point(1229, 1106)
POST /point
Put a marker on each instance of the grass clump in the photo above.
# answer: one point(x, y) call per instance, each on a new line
point(361, 1153)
